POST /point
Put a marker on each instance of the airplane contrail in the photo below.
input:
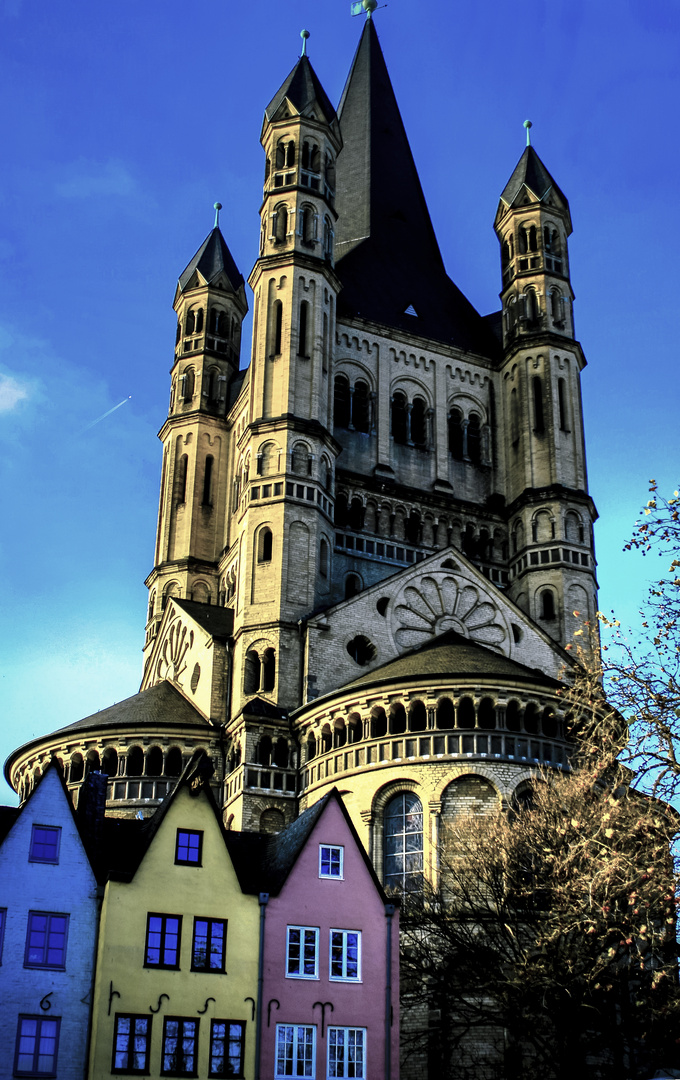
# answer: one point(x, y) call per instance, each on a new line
point(104, 415)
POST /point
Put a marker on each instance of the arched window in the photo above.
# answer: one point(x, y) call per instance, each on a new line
point(352, 586)
point(278, 328)
point(326, 473)
point(466, 713)
point(397, 718)
point(173, 761)
point(340, 512)
point(531, 719)
point(307, 225)
point(265, 459)
point(486, 714)
point(355, 516)
point(531, 308)
point(456, 434)
point(269, 670)
point(290, 155)
point(207, 481)
point(303, 347)
point(251, 673)
point(280, 224)
point(341, 400)
point(354, 728)
point(153, 763)
point(328, 237)
point(326, 739)
point(399, 418)
point(301, 460)
point(77, 770)
point(547, 604)
point(135, 761)
point(417, 717)
point(537, 387)
point(533, 240)
point(264, 546)
point(339, 734)
point(513, 716)
point(474, 439)
point(419, 422)
point(190, 322)
point(361, 407)
point(199, 320)
point(264, 751)
point(403, 843)
point(445, 714)
point(280, 155)
point(181, 483)
point(281, 753)
point(323, 558)
point(311, 746)
point(92, 763)
point(110, 761)
point(186, 385)
point(378, 722)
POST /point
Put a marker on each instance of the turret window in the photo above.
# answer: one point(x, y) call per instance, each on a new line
point(280, 224)
point(547, 605)
point(399, 418)
point(181, 489)
point(531, 308)
point(308, 226)
point(186, 385)
point(328, 238)
point(278, 328)
point(264, 546)
point(207, 481)
point(537, 387)
point(311, 164)
point(303, 346)
point(553, 249)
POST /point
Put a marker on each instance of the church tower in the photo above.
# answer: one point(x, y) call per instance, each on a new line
point(552, 572)
point(211, 304)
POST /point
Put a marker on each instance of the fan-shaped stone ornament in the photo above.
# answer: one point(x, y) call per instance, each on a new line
point(439, 602)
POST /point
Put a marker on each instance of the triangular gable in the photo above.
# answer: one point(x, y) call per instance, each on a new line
point(443, 593)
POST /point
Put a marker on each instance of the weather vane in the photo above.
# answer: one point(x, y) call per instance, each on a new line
point(369, 6)
point(528, 125)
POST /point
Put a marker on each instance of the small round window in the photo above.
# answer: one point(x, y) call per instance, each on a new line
point(361, 650)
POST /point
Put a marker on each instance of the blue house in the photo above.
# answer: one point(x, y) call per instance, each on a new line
point(48, 927)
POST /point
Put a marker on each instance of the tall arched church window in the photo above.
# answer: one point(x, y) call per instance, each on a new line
point(268, 670)
point(190, 322)
point(403, 843)
point(181, 482)
point(290, 155)
point(264, 546)
point(537, 387)
point(562, 404)
point(303, 347)
point(361, 407)
point(547, 604)
point(456, 434)
point(187, 382)
point(251, 673)
point(474, 439)
point(399, 418)
point(323, 559)
point(341, 402)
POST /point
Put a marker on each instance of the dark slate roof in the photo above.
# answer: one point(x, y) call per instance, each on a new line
point(218, 621)
point(160, 704)
point(451, 655)
point(212, 258)
point(531, 171)
point(8, 815)
point(302, 88)
point(258, 706)
point(387, 254)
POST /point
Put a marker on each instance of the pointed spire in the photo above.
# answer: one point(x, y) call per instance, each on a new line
point(212, 259)
point(531, 171)
point(302, 88)
point(387, 254)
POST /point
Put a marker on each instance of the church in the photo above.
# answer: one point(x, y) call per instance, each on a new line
point(375, 538)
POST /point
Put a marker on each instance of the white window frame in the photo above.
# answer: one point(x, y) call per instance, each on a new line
point(304, 930)
point(341, 852)
point(281, 1029)
point(344, 977)
point(344, 1073)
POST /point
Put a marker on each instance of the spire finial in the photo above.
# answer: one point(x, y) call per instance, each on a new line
point(304, 34)
point(528, 125)
point(369, 6)
point(218, 207)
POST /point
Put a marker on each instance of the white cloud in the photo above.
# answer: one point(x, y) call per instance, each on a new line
point(85, 179)
point(12, 391)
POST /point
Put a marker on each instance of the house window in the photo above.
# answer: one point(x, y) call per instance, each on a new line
point(208, 951)
point(347, 1053)
point(45, 842)
point(180, 1046)
point(131, 1042)
point(46, 940)
point(302, 954)
point(295, 1050)
point(189, 847)
point(37, 1046)
point(163, 935)
point(345, 955)
point(227, 1042)
point(330, 861)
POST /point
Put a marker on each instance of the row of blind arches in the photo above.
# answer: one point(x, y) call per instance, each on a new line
point(462, 715)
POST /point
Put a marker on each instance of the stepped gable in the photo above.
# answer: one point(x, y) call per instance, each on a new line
point(451, 655)
point(388, 259)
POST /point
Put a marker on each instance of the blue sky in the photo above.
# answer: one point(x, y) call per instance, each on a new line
point(124, 123)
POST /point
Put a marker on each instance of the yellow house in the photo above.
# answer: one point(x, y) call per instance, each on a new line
point(177, 959)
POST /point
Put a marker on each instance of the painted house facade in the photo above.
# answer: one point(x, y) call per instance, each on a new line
point(48, 927)
point(176, 979)
point(331, 956)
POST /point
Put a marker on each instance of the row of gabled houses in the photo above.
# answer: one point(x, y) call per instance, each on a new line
point(171, 947)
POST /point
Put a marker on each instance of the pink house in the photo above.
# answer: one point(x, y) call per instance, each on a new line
point(330, 981)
